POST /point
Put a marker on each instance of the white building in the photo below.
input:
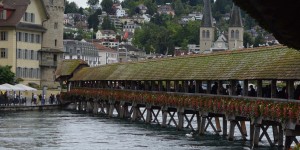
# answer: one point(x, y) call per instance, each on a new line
point(106, 35)
point(107, 55)
point(130, 27)
point(81, 50)
point(120, 13)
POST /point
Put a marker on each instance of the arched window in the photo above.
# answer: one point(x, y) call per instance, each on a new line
point(232, 34)
point(203, 34)
point(207, 34)
point(237, 34)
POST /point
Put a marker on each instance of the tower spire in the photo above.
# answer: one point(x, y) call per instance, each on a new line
point(235, 17)
point(207, 20)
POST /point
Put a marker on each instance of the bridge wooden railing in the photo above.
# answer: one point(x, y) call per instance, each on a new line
point(279, 110)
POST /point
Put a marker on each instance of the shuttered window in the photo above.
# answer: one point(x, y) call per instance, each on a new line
point(3, 53)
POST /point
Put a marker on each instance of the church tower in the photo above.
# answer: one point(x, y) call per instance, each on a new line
point(52, 45)
point(236, 29)
point(207, 30)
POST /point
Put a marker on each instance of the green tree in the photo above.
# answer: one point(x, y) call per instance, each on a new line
point(259, 40)
point(92, 2)
point(248, 40)
point(6, 75)
point(107, 6)
point(70, 7)
point(151, 7)
point(178, 7)
point(93, 20)
point(107, 24)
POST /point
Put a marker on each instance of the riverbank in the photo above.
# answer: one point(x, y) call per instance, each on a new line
point(30, 107)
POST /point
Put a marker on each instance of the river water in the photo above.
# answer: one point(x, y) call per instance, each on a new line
point(66, 130)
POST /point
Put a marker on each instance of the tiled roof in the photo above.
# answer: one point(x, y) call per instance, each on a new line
point(261, 63)
point(235, 17)
point(207, 20)
point(19, 7)
point(67, 67)
point(103, 48)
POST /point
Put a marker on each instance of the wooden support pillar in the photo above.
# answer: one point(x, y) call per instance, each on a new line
point(135, 112)
point(218, 125)
point(233, 87)
point(220, 84)
point(256, 135)
point(208, 87)
point(245, 88)
point(273, 89)
point(153, 86)
point(231, 130)
point(288, 142)
point(164, 110)
point(280, 136)
point(290, 89)
point(197, 86)
point(149, 114)
point(132, 85)
point(96, 107)
point(203, 123)
point(111, 108)
point(78, 107)
point(198, 121)
point(180, 114)
point(275, 133)
point(176, 86)
point(168, 86)
point(251, 131)
point(146, 83)
point(259, 88)
point(122, 110)
point(185, 86)
point(107, 108)
point(243, 126)
point(160, 85)
point(224, 126)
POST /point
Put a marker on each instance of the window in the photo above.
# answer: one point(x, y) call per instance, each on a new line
point(32, 38)
point(26, 37)
point(19, 36)
point(31, 73)
point(31, 55)
point(32, 17)
point(37, 38)
point(55, 25)
point(207, 34)
point(3, 14)
point(237, 34)
point(232, 34)
point(19, 72)
point(19, 53)
point(25, 72)
point(3, 36)
point(55, 42)
point(3, 53)
point(25, 54)
point(203, 34)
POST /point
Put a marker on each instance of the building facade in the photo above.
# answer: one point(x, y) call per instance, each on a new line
point(81, 50)
point(21, 30)
point(106, 54)
point(52, 44)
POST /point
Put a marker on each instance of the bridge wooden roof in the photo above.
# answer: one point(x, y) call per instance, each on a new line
point(278, 62)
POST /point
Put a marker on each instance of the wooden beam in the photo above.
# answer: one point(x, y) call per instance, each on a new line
point(290, 89)
point(245, 88)
point(259, 88)
point(273, 89)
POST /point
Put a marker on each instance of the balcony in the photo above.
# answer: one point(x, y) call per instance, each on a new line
point(44, 63)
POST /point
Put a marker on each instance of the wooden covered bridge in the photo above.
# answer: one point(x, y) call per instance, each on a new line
point(210, 88)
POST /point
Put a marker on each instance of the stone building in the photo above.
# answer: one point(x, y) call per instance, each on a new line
point(86, 51)
point(207, 31)
point(21, 30)
point(52, 45)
